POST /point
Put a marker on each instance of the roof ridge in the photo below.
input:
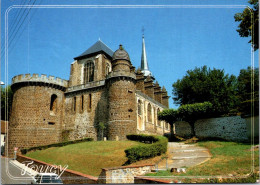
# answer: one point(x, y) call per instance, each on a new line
point(99, 46)
point(105, 45)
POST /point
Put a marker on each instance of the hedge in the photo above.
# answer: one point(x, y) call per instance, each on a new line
point(158, 147)
point(24, 151)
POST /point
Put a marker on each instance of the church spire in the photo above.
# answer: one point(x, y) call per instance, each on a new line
point(144, 63)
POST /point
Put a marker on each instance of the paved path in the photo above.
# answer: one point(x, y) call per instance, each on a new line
point(185, 155)
point(11, 173)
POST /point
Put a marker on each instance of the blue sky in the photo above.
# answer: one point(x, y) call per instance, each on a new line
point(178, 38)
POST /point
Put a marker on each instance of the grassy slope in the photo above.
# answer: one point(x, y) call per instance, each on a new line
point(87, 157)
point(228, 158)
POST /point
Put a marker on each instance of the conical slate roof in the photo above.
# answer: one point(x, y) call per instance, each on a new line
point(144, 62)
point(98, 47)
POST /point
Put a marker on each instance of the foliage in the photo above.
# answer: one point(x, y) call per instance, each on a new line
point(228, 158)
point(249, 22)
point(24, 151)
point(147, 151)
point(193, 112)
point(248, 90)
point(170, 116)
point(101, 128)
point(86, 157)
point(6, 102)
point(65, 135)
point(142, 138)
point(205, 84)
point(189, 113)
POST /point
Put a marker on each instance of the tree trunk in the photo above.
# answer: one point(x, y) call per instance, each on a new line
point(171, 130)
point(192, 124)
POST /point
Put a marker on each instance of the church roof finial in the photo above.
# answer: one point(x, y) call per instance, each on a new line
point(144, 62)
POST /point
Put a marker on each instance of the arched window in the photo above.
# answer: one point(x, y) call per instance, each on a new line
point(53, 104)
point(149, 112)
point(167, 126)
point(107, 68)
point(89, 72)
point(139, 108)
point(158, 121)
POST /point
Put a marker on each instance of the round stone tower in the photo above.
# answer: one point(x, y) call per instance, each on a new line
point(121, 97)
point(37, 110)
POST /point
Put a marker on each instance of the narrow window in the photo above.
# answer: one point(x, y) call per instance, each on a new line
point(154, 116)
point(53, 104)
point(89, 72)
point(74, 104)
point(158, 121)
point(107, 68)
point(82, 103)
point(149, 112)
point(89, 102)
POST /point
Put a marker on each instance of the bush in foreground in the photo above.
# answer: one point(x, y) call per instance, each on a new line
point(157, 146)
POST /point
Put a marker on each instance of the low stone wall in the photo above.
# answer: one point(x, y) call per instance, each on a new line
point(232, 128)
point(68, 176)
point(123, 174)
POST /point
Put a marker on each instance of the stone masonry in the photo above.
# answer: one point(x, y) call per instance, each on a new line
point(103, 87)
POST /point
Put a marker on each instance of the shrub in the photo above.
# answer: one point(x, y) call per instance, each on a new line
point(157, 146)
point(24, 151)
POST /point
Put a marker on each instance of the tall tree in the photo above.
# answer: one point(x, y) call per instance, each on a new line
point(6, 102)
point(205, 84)
point(248, 91)
point(249, 22)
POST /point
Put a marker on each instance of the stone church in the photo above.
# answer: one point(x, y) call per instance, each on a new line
point(105, 96)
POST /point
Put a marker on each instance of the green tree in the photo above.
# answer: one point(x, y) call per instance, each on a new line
point(205, 84)
point(248, 91)
point(170, 116)
point(189, 113)
point(6, 102)
point(192, 112)
point(101, 127)
point(249, 22)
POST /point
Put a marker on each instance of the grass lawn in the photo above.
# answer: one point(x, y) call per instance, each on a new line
point(86, 157)
point(228, 158)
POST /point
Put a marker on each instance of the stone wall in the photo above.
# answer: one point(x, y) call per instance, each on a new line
point(228, 128)
point(124, 174)
point(68, 176)
point(32, 123)
point(182, 129)
point(83, 120)
point(122, 108)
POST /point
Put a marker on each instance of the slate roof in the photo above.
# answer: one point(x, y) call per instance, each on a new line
point(98, 47)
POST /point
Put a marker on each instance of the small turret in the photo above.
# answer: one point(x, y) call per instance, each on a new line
point(121, 97)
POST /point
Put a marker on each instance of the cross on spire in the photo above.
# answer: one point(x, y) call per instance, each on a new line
point(143, 30)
